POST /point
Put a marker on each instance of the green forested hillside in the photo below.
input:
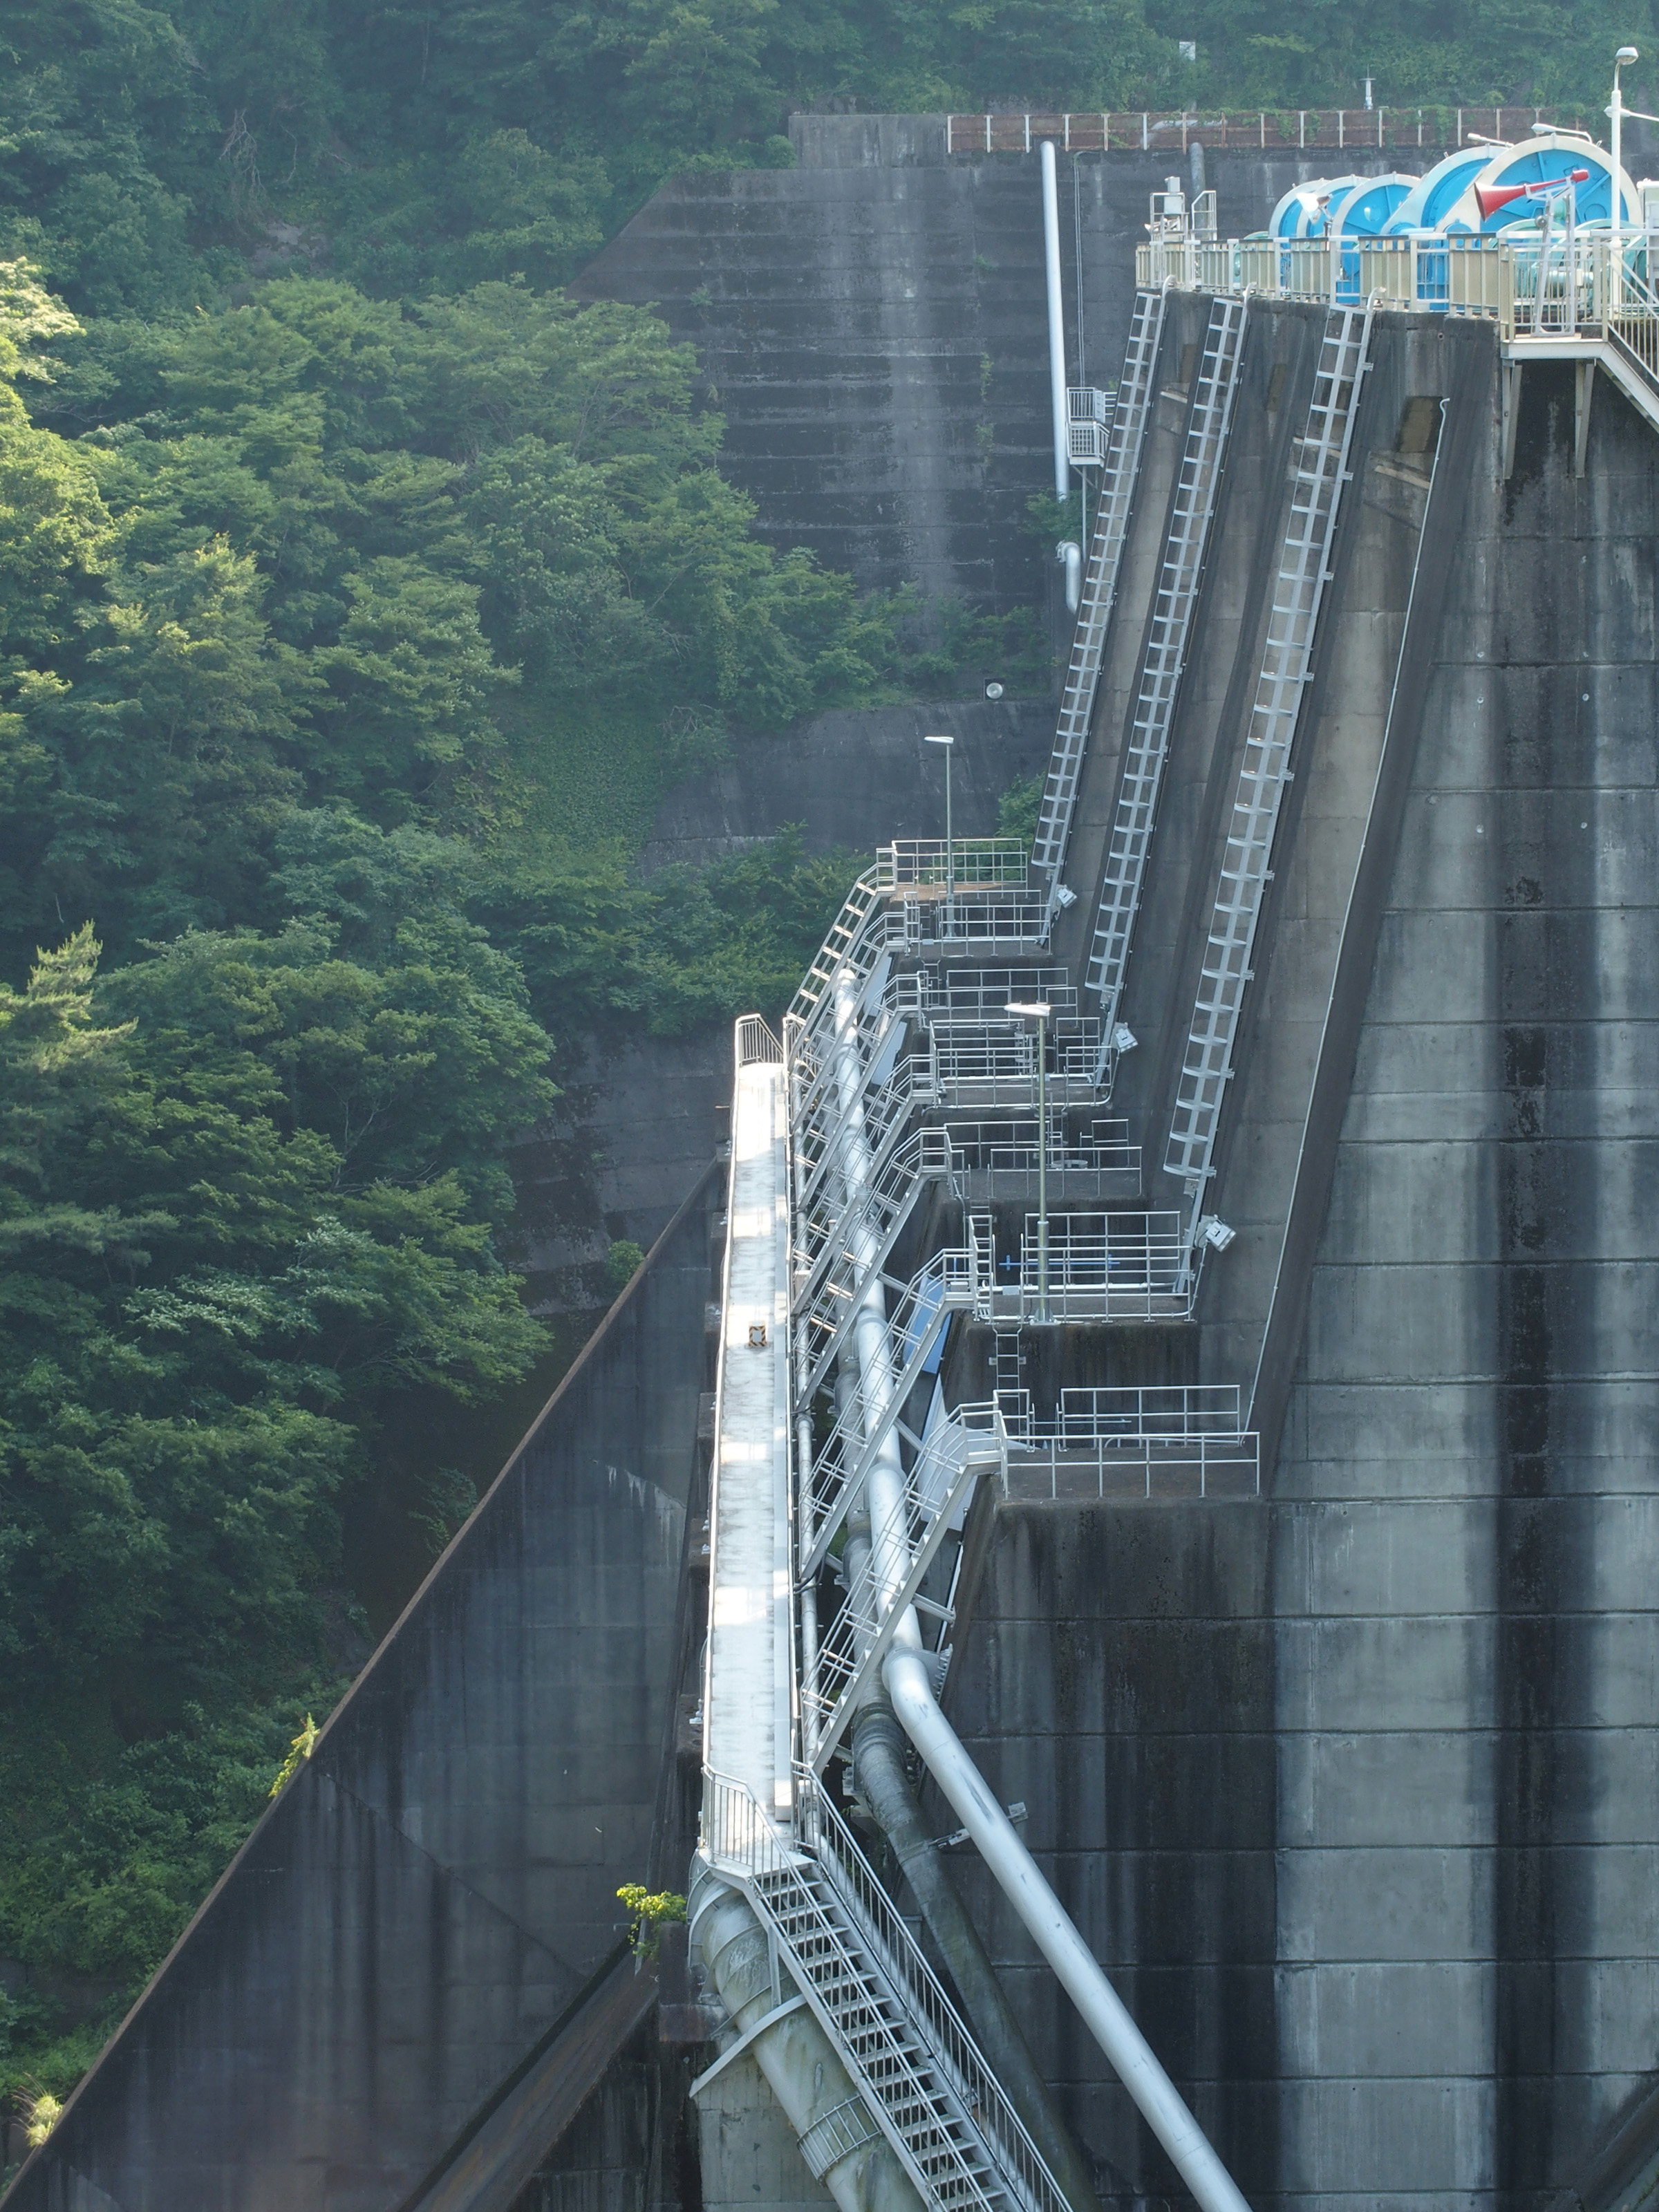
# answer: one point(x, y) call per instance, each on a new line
point(358, 595)
point(345, 644)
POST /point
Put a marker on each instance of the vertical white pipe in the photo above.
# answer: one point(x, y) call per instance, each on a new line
point(1056, 319)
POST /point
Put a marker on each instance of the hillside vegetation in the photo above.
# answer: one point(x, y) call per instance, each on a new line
point(359, 596)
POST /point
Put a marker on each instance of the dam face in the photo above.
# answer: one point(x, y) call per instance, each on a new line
point(1282, 1553)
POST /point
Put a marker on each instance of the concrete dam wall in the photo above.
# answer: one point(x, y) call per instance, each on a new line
point(1352, 1786)
point(872, 324)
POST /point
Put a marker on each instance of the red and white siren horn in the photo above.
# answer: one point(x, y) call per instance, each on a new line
point(1490, 197)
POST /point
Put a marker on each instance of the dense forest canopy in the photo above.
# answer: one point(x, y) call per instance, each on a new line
point(359, 595)
point(148, 152)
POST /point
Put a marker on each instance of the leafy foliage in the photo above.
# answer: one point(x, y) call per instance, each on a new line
point(151, 154)
point(306, 599)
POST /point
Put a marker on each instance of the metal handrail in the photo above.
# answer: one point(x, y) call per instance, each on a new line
point(945, 1285)
point(969, 863)
point(1133, 1267)
point(929, 1503)
point(920, 915)
point(756, 1043)
point(927, 2056)
point(1201, 1465)
point(921, 1995)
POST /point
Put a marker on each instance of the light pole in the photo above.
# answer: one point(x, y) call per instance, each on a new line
point(1617, 111)
point(949, 746)
point(1038, 1010)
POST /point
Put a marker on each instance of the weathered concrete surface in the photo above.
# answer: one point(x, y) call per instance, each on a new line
point(1467, 1530)
point(438, 1882)
point(856, 777)
point(872, 324)
point(1116, 1672)
point(1357, 1788)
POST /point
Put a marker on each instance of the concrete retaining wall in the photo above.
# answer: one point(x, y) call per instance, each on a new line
point(431, 1894)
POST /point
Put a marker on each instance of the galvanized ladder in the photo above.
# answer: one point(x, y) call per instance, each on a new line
point(1118, 478)
point(1287, 666)
point(1163, 658)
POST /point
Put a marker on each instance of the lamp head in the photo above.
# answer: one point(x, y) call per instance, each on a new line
point(1626, 54)
point(1038, 1010)
point(938, 741)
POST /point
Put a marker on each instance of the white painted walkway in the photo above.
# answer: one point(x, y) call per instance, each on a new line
point(747, 1698)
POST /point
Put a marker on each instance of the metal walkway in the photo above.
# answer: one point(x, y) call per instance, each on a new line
point(1165, 658)
point(1286, 665)
point(1118, 478)
point(923, 2082)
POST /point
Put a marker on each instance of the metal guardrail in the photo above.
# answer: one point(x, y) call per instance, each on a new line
point(756, 1043)
point(916, 1320)
point(973, 995)
point(1109, 1267)
point(1169, 1441)
point(1164, 656)
point(924, 2000)
point(1012, 1148)
point(970, 1443)
point(920, 917)
point(1531, 287)
point(922, 2074)
point(966, 862)
point(1304, 568)
point(1119, 442)
point(1142, 131)
point(1202, 1466)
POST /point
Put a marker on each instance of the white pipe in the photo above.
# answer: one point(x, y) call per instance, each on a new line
point(904, 1672)
point(1056, 319)
point(1015, 1872)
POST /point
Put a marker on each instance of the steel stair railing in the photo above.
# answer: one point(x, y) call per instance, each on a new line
point(970, 1441)
point(919, 1319)
point(855, 1245)
point(927, 2008)
point(1118, 478)
point(819, 1149)
point(863, 1983)
point(818, 1068)
point(858, 921)
point(1286, 665)
point(1163, 658)
point(1006, 915)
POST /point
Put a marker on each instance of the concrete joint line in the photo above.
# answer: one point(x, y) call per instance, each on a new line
point(382, 1818)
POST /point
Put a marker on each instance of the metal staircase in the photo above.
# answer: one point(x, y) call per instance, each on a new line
point(1118, 478)
point(937, 1487)
point(1286, 665)
point(1164, 657)
point(855, 940)
point(918, 1319)
point(922, 2081)
point(834, 1271)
